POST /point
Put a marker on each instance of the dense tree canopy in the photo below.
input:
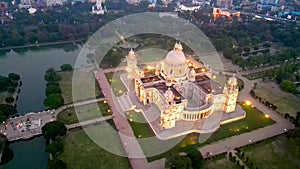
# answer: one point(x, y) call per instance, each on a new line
point(179, 162)
point(51, 75)
point(14, 76)
point(288, 86)
point(52, 89)
point(3, 142)
point(53, 129)
point(55, 147)
point(6, 110)
point(54, 101)
point(66, 67)
point(4, 83)
point(56, 164)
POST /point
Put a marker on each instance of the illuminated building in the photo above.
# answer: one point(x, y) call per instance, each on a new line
point(181, 89)
point(224, 12)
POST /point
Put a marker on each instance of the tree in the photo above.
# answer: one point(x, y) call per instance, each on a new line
point(6, 110)
point(195, 156)
point(11, 89)
point(56, 164)
point(54, 101)
point(55, 147)
point(7, 153)
point(14, 76)
point(53, 129)
point(288, 86)
point(246, 49)
point(228, 52)
point(9, 99)
point(3, 142)
point(179, 162)
point(51, 75)
point(52, 89)
point(66, 67)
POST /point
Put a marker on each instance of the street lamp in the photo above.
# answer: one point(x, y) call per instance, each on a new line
point(248, 102)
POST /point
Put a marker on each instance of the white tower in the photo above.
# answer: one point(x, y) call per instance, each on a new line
point(192, 75)
point(231, 91)
point(132, 68)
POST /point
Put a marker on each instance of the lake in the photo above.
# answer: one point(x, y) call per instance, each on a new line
point(31, 64)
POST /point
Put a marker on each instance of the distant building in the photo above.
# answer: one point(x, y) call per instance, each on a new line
point(26, 2)
point(222, 3)
point(99, 8)
point(3, 7)
point(54, 2)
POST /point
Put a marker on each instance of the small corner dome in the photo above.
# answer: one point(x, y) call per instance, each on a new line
point(131, 54)
point(169, 93)
point(193, 71)
point(232, 80)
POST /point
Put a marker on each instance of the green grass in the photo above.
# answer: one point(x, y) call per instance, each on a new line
point(285, 102)
point(220, 163)
point(116, 84)
point(273, 154)
point(139, 124)
point(152, 54)
point(86, 112)
point(80, 152)
point(254, 120)
point(66, 84)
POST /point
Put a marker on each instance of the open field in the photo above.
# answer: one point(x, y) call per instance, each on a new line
point(220, 163)
point(272, 154)
point(285, 102)
point(86, 112)
point(116, 84)
point(66, 84)
point(80, 152)
point(254, 120)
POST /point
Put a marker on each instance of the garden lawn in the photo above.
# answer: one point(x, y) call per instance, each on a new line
point(86, 112)
point(272, 154)
point(80, 152)
point(254, 119)
point(285, 102)
point(66, 84)
point(220, 163)
point(116, 84)
point(152, 54)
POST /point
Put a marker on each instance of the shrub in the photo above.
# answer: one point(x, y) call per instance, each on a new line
point(9, 99)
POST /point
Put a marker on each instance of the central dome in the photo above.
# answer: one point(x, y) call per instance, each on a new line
point(175, 56)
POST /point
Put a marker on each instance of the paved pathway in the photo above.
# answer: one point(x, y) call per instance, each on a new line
point(82, 103)
point(132, 147)
point(84, 123)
